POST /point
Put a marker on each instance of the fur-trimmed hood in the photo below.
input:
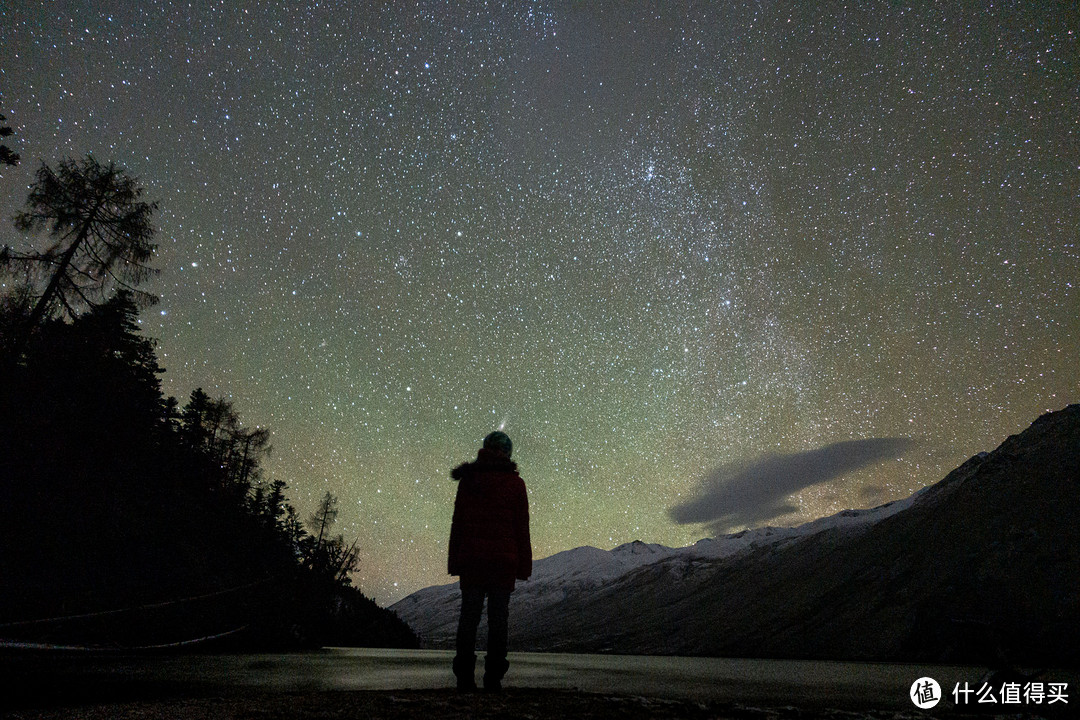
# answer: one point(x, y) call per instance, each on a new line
point(486, 461)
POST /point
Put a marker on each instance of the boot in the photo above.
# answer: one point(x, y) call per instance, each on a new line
point(494, 669)
point(464, 670)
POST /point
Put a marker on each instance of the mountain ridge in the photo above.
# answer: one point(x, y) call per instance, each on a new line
point(982, 566)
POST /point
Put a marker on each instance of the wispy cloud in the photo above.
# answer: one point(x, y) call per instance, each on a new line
point(751, 493)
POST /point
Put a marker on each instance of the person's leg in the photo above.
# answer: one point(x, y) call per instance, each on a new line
point(495, 663)
point(472, 604)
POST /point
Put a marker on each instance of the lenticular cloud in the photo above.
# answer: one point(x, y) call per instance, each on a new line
point(749, 494)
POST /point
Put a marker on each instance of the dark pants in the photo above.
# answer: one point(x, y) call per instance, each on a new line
point(472, 605)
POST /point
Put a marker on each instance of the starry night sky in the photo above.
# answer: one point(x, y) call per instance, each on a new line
point(656, 241)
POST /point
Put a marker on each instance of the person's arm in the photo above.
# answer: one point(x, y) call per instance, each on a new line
point(453, 558)
point(524, 542)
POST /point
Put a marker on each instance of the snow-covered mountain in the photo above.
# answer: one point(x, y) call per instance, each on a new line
point(433, 612)
point(984, 562)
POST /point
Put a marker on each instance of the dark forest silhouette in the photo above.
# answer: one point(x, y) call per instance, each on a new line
point(7, 156)
point(127, 520)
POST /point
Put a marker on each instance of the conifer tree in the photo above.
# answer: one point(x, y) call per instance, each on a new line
point(323, 519)
point(100, 237)
point(7, 155)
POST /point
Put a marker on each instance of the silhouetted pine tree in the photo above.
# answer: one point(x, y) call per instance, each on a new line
point(100, 238)
point(7, 155)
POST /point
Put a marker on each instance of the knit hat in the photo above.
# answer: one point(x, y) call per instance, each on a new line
point(499, 442)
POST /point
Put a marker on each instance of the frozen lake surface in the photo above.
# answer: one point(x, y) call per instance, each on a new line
point(746, 682)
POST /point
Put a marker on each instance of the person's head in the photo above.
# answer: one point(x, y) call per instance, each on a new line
point(499, 442)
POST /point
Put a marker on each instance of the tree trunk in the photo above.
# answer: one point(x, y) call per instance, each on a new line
point(50, 290)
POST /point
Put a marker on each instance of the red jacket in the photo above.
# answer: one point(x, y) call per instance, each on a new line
point(489, 535)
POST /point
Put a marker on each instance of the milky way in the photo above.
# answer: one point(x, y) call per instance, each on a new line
point(651, 239)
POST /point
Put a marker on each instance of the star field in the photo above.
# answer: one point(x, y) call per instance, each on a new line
point(649, 239)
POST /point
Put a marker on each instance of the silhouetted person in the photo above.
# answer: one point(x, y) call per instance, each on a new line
point(489, 549)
